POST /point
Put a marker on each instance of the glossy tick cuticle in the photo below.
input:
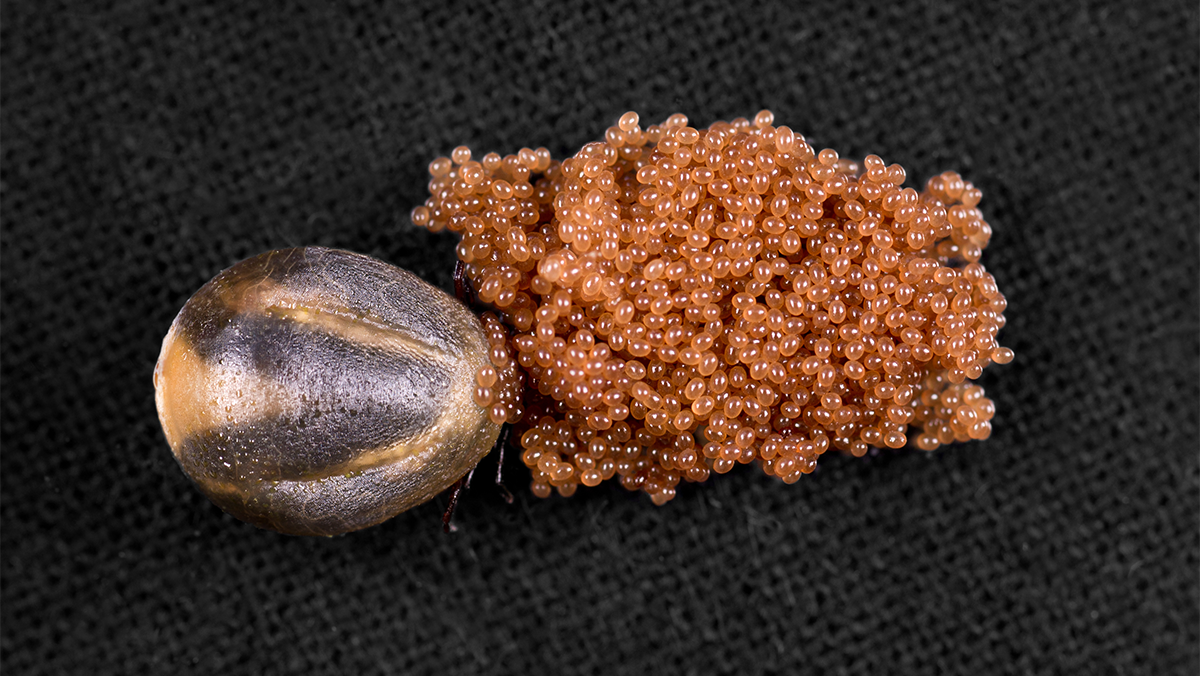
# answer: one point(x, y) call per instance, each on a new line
point(315, 391)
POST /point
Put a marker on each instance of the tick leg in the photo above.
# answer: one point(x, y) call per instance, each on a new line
point(500, 444)
point(455, 488)
point(462, 285)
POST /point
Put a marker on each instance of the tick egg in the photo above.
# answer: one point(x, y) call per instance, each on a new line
point(314, 391)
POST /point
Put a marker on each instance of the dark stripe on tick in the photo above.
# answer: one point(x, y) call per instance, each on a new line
point(356, 285)
point(343, 398)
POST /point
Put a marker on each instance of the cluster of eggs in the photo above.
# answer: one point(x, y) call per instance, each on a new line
point(671, 302)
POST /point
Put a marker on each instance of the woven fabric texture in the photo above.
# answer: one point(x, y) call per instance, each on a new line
point(148, 145)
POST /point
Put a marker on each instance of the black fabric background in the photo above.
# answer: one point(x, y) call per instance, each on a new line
point(148, 145)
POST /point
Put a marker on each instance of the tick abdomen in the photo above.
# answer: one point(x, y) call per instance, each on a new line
point(316, 391)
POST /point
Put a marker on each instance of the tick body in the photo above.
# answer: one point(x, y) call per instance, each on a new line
point(315, 391)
